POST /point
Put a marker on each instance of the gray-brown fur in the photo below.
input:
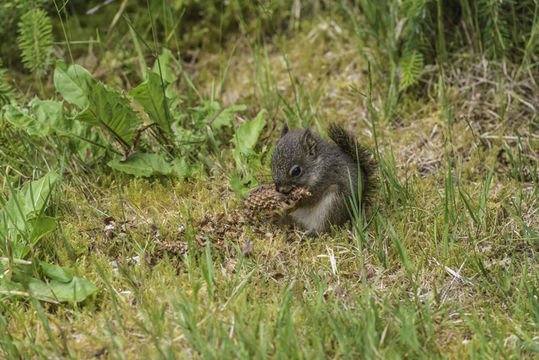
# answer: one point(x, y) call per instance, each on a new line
point(360, 155)
point(326, 170)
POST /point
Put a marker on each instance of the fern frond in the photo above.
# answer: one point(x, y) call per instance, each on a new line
point(6, 91)
point(495, 30)
point(411, 65)
point(35, 40)
point(27, 5)
point(414, 8)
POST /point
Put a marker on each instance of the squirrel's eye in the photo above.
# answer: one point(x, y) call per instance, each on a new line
point(295, 171)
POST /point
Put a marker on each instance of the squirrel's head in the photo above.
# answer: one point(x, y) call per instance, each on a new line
point(294, 160)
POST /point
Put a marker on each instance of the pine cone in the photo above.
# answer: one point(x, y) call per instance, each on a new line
point(266, 199)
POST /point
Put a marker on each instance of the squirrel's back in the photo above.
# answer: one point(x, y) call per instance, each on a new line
point(359, 155)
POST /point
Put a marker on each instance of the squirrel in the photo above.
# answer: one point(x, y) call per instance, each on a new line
point(328, 170)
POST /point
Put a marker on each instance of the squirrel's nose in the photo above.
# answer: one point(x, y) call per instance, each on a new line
point(285, 189)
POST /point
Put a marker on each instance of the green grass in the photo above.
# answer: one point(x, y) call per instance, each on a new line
point(443, 265)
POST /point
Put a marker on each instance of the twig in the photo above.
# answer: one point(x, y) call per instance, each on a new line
point(136, 139)
point(211, 122)
point(23, 293)
point(94, 9)
point(16, 261)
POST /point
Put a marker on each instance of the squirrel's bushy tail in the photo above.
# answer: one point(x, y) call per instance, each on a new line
point(359, 154)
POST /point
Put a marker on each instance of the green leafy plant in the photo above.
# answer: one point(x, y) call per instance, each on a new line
point(101, 106)
point(22, 224)
point(151, 96)
point(45, 117)
point(23, 219)
point(167, 145)
point(111, 111)
point(248, 161)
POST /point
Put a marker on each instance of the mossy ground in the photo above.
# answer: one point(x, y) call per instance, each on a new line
point(434, 274)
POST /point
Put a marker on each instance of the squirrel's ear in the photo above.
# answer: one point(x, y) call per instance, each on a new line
point(284, 131)
point(309, 143)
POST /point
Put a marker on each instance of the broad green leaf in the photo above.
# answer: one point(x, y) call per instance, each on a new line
point(22, 118)
point(55, 272)
point(48, 113)
point(21, 217)
point(247, 160)
point(38, 227)
point(40, 288)
point(226, 116)
point(72, 83)
point(247, 134)
point(164, 61)
point(28, 201)
point(111, 110)
point(142, 164)
point(76, 290)
point(35, 193)
point(169, 76)
point(46, 117)
point(151, 96)
point(181, 168)
point(246, 138)
point(81, 136)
